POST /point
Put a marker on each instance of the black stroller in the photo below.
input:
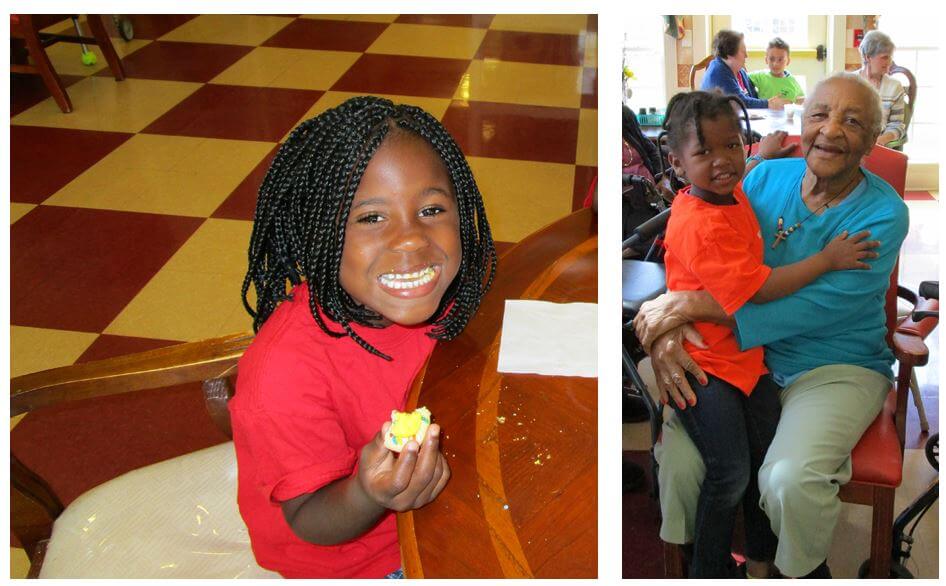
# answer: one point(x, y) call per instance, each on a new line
point(644, 215)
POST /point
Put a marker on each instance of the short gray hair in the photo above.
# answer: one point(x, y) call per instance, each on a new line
point(874, 104)
point(875, 43)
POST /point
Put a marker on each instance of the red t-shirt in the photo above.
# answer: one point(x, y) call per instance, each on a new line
point(305, 405)
point(718, 248)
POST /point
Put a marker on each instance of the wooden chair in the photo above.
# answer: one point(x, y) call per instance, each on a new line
point(699, 67)
point(877, 459)
point(40, 522)
point(27, 27)
point(910, 101)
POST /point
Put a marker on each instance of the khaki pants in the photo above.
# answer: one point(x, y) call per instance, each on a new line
point(824, 414)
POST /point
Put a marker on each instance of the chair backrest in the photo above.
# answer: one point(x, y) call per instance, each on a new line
point(910, 89)
point(34, 505)
point(699, 67)
point(891, 166)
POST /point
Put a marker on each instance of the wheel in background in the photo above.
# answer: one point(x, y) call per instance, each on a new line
point(932, 450)
point(125, 28)
point(896, 571)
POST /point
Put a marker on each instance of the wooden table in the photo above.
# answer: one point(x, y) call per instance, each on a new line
point(522, 499)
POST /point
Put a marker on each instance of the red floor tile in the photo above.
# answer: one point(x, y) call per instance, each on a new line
point(28, 90)
point(241, 204)
point(409, 76)
point(468, 20)
point(583, 178)
point(509, 131)
point(198, 62)
point(589, 88)
point(110, 346)
point(553, 49)
point(43, 160)
point(76, 269)
point(152, 26)
point(234, 112)
point(328, 35)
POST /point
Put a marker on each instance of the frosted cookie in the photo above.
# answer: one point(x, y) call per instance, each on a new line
point(406, 426)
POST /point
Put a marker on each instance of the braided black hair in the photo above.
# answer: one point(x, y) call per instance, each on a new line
point(303, 206)
point(686, 112)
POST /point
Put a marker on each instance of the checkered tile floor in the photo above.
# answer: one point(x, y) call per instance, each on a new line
point(130, 216)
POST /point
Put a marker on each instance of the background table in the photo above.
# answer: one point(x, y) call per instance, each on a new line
point(522, 499)
point(773, 120)
point(767, 121)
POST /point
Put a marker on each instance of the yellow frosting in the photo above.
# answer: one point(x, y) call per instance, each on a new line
point(406, 425)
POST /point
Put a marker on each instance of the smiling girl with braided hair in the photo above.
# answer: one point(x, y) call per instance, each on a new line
point(370, 243)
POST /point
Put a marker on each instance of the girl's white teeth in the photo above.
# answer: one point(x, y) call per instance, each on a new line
point(407, 280)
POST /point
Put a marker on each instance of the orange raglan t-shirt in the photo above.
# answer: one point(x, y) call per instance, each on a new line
point(718, 248)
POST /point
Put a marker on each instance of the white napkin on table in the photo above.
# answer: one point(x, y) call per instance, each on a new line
point(540, 337)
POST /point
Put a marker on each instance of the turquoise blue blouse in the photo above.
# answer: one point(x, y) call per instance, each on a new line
point(839, 318)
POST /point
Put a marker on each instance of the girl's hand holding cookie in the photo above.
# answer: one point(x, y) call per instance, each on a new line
point(408, 481)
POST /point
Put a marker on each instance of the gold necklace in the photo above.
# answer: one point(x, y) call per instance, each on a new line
point(782, 234)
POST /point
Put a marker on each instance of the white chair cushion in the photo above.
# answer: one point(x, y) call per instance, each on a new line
point(174, 519)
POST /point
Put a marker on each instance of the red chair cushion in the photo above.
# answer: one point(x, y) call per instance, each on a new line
point(877, 458)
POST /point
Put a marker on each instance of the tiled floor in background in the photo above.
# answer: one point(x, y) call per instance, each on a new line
point(919, 261)
point(130, 215)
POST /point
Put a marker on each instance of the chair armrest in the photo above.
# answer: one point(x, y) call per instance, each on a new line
point(910, 350)
point(34, 505)
point(922, 320)
point(172, 365)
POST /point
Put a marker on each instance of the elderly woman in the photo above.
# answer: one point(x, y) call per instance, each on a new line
point(727, 72)
point(824, 345)
point(877, 57)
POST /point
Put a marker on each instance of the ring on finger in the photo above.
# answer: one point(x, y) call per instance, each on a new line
point(676, 377)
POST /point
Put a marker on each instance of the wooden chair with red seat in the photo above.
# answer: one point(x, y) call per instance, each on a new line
point(699, 67)
point(877, 459)
point(28, 26)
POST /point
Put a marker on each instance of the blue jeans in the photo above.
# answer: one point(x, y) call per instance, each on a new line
point(732, 433)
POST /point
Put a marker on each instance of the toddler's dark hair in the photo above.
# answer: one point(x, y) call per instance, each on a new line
point(778, 43)
point(686, 111)
point(303, 207)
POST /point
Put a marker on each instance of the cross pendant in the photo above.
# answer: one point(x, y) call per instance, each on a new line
point(779, 236)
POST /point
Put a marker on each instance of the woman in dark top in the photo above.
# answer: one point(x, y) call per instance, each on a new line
point(727, 72)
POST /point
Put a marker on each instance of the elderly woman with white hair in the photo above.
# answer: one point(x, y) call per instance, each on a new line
point(824, 344)
point(877, 58)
